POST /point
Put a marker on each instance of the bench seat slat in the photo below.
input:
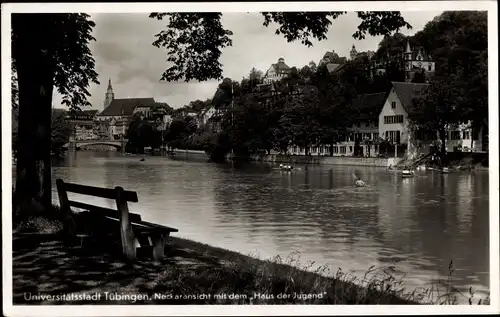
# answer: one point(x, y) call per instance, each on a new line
point(106, 211)
point(99, 192)
point(145, 226)
point(154, 225)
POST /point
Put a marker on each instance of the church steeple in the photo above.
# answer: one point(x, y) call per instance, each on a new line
point(109, 96)
point(408, 61)
point(408, 49)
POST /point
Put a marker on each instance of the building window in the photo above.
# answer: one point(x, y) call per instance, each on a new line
point(350, 148)
point(393, 105)
point(393, 136)
point(342, 150)
point(430, 67)
point(475, 134)
point(465, 135)
point(393, 119)
point(336, 149)
point(455, 135)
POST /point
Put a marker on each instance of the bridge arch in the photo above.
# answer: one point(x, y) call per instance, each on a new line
point(77, 144)
point(117, 145)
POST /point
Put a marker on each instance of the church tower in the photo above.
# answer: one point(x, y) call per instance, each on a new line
point(408, 62)
point(110, 95)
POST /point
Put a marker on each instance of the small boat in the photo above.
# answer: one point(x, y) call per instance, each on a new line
point(286, 167)
point(359, 183)
point(421, 167)
point(407, 174)
point(143, 159)
point(445, 170)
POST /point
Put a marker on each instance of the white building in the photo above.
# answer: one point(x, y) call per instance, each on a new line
point(277, 71)
point(395, 126)
point(386, 116)
point(393, 118)
point(207, 114)
point(364, 130)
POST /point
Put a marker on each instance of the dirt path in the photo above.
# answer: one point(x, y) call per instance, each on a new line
point(192, 273)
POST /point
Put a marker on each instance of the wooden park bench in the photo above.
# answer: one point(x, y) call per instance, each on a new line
point(135, 234)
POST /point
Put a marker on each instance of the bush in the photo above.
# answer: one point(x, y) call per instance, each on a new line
point(41, 225)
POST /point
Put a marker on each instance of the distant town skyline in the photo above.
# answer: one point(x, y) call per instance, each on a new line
point(124, 53)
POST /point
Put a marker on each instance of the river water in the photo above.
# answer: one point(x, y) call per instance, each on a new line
point(421, 223)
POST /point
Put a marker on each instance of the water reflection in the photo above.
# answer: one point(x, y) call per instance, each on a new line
point(421, 222)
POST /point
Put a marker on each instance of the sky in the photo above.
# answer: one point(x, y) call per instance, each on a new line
point(123, 52)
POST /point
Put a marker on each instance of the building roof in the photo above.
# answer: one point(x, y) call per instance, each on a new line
point(126, 107)
point(332, 58)
point(423, 54)
point(368, 106)
point(332, 67)
point(416, 51)
point(160, 104)
point(406, 92)
point(280, 67)
point(90, 112)
point(331, 55)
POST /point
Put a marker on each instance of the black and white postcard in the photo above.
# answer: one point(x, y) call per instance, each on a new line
point(192, 158)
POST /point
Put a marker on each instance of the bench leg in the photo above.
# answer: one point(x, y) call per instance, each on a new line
point(159, 247)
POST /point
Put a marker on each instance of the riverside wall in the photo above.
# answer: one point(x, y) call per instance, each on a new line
point(191, 154)
point(300, 159)
point(327, 160)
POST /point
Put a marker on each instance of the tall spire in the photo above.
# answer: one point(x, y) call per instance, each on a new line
point(408, 49)
point(109, 96)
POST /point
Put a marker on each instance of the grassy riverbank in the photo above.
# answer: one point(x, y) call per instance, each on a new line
point(192, 273)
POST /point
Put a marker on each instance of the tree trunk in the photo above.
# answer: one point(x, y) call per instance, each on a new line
point(472, 138)
point(33, 192)
point(442, 136)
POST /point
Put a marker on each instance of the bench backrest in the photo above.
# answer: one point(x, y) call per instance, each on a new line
point(96, 191)
point(64, 188)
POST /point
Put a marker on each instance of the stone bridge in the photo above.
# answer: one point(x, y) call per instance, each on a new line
point(77, 144)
